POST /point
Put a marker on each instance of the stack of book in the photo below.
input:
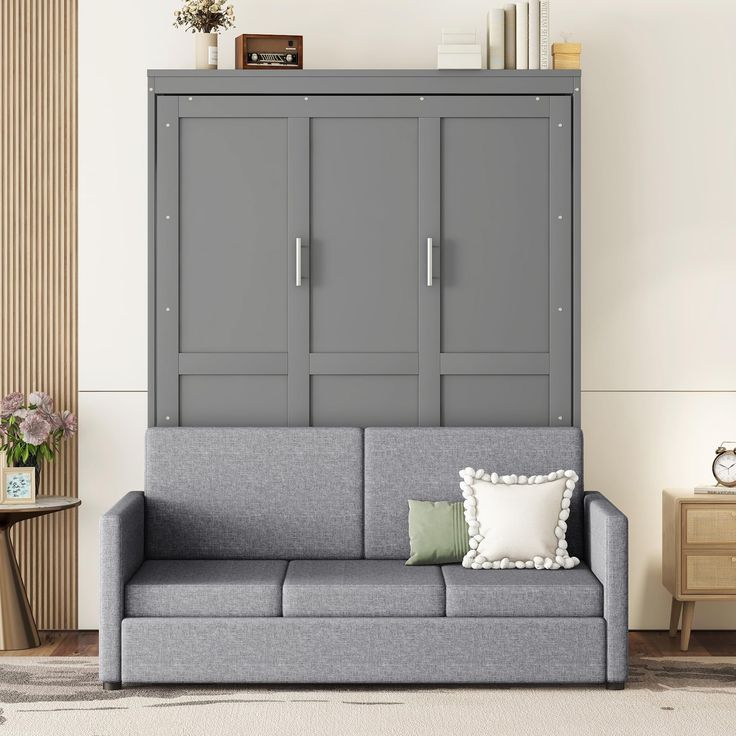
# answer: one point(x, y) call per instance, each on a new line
point(459, 50)
point(518, 36)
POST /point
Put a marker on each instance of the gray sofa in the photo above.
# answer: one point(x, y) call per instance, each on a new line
point(260, 555)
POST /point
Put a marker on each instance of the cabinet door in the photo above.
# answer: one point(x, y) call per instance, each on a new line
point(222, 225)
point(501, 316)
point(364, 265)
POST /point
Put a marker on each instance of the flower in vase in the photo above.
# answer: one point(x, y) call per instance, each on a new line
point(67, 423)
point(34, 429)
point(11, 403)
point(41, 400)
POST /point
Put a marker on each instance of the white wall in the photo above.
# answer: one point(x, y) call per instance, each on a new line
point(659, 187)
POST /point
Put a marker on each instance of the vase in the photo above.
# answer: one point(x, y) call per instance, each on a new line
point(205, 50)
point(31, 463)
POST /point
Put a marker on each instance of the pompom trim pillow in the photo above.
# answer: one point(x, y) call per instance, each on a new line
point(517, 521)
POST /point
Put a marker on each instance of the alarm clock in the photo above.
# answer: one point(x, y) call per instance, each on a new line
point(724, 465)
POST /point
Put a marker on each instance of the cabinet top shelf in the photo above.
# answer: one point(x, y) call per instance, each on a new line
point(364, 81)
point(365, 72)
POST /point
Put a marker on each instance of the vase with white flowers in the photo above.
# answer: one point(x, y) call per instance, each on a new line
point(205, 18)
point(32, 431)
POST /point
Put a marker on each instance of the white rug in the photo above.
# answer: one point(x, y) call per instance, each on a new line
point(673, 697)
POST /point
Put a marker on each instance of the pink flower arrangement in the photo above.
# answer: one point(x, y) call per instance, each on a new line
point(31, 431)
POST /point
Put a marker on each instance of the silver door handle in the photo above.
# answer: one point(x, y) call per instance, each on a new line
point(298, 261)
point(429, 261)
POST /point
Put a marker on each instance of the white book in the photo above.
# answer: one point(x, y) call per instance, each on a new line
point(496, 38)
point(534, 34)
point(452, 36)
point(459, 56)
point(509, 36)
point(715, 490)
point(522, 35)
point(544, 57)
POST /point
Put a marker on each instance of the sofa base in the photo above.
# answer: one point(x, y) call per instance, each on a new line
point(615, 685)
point(364, 650)
point(112, 685)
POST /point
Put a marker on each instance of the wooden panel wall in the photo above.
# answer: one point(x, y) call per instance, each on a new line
point(38, 266)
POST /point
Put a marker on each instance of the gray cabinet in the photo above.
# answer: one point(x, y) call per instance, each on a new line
point(343, 252)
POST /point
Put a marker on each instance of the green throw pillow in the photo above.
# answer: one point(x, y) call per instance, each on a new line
point(438, 532)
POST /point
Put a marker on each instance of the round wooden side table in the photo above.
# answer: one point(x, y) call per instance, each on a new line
point(17, 627)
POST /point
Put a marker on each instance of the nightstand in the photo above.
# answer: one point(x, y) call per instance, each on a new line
point(698, 553)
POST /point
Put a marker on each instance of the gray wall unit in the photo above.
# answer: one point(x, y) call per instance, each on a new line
point(348, 252)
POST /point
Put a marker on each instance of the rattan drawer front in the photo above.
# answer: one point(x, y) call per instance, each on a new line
point(715, 573)
point(714, 524)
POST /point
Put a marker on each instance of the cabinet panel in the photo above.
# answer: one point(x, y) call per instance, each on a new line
point(495, 235)
point(363, 259)
point(495, 401)
point(364, 401)
point(232, 238)
point(232, 401)
point(363, 246)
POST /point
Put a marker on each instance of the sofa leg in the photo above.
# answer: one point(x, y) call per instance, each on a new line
point(615, 685)
point(112, 685)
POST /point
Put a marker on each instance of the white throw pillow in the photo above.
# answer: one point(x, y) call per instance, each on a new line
point(517, 521)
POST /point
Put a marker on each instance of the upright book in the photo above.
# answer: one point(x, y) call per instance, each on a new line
point(509, 11)
point(522, 35)
point(496, 38)
point(534, 34)
point(545, 61)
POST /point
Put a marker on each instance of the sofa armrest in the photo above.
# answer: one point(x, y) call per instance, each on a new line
point(121, 554)
point(607, 545)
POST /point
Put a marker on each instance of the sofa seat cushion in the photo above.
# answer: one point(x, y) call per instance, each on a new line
point(363, 588)
point(206, 588)
point(545, 593)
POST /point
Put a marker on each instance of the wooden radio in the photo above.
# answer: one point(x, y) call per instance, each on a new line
point(262, 51)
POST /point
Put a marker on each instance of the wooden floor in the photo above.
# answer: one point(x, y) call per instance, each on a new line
point(641, 644)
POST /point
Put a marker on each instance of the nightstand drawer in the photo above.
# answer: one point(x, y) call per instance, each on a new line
point(709, 573)
point(709, 524)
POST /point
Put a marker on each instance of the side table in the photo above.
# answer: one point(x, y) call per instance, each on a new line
point(17, 627)
point(698, 553)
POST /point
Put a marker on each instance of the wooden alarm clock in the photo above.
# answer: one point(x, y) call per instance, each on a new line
point(724, 465)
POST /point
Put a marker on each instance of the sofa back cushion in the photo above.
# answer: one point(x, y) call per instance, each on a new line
point(423, 464)
point(238, 493)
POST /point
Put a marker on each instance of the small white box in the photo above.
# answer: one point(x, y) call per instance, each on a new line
point(459, 56)
point(452, 36)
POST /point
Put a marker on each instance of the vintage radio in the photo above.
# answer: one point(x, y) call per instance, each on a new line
point(260, 51)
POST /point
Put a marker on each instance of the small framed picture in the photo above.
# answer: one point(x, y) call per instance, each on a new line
point(18, 485)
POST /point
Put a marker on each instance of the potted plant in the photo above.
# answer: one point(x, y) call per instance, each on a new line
point(204, 18)
point(31, 431)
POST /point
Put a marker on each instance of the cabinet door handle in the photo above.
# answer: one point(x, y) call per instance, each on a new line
point(429, 261)
point(298, 261)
